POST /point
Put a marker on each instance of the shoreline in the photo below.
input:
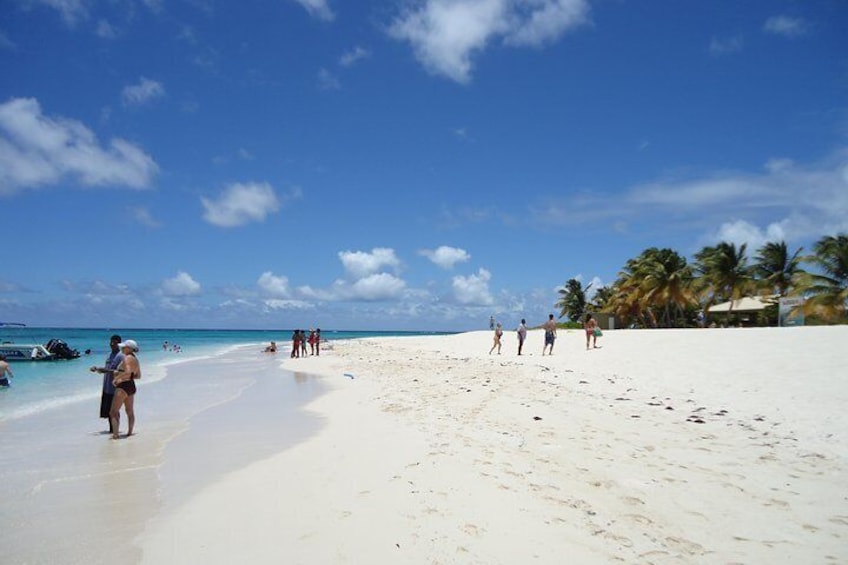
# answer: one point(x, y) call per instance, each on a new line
point(661, 447)
point(73, 495)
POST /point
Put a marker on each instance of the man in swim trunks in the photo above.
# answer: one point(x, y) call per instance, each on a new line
point(550, 334)
point(5, 371)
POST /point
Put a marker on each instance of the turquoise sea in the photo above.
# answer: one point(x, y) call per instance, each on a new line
point(43, 386)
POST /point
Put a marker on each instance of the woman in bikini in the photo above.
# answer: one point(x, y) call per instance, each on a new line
point(498, 335)
point(590, 325)
point(124, 382)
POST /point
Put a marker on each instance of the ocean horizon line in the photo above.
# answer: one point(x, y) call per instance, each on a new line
point(328, 330)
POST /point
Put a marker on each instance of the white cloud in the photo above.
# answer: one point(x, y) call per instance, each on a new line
point(379, 286)
point(725, 46)
point(327, 80)
point(241, 203)
point(803, 200)
point(316, 293)
point(143, 216)
point(72, 11)
point(445, 256)
point(350, 58)
point(153, 5)
point(361, 264)
point(370, 288)
point(6, 43)
point(189, 35)
point(181, 285)
point(740, 231)
point(105, 30)
point(318, 9)
point(273, 285)
point(36, 150)
point(279, 304)
point(145, 91)
point(446, 34)
point(786, 26)
point(245, 155)
point(473, 289)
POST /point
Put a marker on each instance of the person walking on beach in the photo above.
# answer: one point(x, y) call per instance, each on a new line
point(498, 335)
point(491, 322)
point(522, 334)
point(107, 396)
point(125, 375)
point(550, 334)
point(5, 371)
point(590, 326)
point(317, 341)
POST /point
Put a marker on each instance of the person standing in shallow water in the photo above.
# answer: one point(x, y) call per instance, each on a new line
point(550, 334)
point(317, 341)
point(5, 371)
point(522, 334)
point(295, 348)
point(303, 349)
point(113, 361)
point(124, 381)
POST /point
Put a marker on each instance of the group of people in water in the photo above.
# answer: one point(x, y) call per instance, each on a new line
point(590, 327)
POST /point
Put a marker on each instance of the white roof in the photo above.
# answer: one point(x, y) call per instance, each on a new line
point(746, 304)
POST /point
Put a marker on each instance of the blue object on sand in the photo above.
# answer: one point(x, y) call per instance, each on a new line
point(348, 375)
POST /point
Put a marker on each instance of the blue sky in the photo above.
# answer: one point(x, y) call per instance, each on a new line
point(394, 164)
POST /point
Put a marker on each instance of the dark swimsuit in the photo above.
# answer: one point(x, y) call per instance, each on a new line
point(127, 386)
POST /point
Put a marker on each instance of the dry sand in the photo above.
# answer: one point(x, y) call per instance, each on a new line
point(690, 446)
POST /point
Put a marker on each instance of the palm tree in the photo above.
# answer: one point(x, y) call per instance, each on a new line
point(724, 273)
point(603, 298)
point(654, 289)
point(572, 301)
point(828, 290)
point(666, 283)
point(775, 269)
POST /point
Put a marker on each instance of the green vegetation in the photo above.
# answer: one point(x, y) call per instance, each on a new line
point(660, 289)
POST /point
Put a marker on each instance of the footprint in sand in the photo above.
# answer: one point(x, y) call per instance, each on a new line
point(639, 519)
point(471, 530)
point(648, 555)
point(685, 545)
point(626, 542)
point(841, 520)
point(632, 500)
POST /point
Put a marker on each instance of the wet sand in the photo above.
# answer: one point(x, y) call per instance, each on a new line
point(72, 495)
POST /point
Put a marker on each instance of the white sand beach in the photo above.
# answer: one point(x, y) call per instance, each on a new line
point(667, 446)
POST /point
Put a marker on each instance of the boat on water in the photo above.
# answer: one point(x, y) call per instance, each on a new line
point(53, 350)
point(25, 352)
